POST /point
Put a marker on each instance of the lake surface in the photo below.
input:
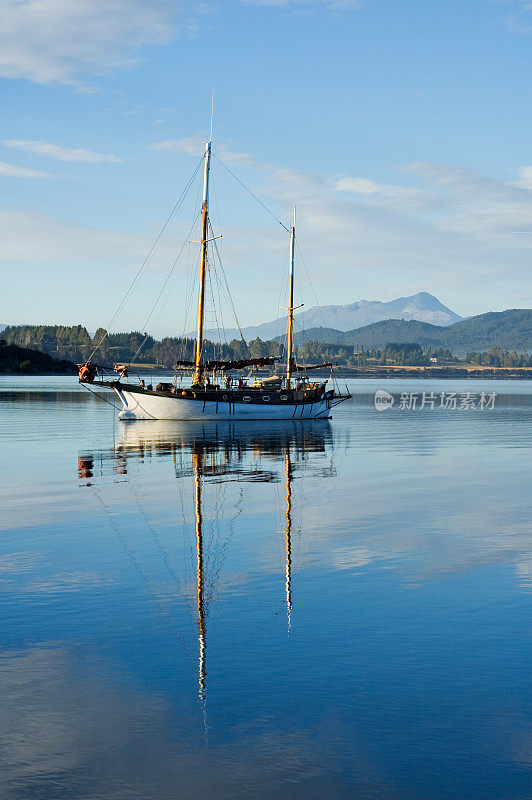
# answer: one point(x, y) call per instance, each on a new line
point(301, 610)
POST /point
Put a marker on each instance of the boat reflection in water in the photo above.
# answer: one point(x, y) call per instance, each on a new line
point(215, 453)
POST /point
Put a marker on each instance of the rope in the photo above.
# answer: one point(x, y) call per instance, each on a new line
point(215, 315)
point(221, 327)
point(228, 290)
point(147, 336)
point(311, 284)
point(189, 292)
point(190, 288)
point(101, 398)
point(254, 196)
point(141, 269)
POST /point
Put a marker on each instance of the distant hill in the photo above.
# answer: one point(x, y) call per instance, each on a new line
point(25, 361)
point(421, 306)
point(511, 330)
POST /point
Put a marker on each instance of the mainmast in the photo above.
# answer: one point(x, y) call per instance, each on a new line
point(198, 370)
point(289, 342)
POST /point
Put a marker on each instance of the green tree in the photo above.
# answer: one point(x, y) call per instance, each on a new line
point(258, 348)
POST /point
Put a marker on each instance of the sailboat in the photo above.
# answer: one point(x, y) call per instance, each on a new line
point(213, 394)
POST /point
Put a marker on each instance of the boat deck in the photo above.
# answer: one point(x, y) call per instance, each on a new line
point(310, 393)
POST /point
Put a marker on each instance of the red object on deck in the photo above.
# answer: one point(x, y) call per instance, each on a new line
point(87, 373)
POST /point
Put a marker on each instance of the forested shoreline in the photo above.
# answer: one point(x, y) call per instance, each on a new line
point(74, 344)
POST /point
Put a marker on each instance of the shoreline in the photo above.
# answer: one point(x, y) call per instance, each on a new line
point(459, 373)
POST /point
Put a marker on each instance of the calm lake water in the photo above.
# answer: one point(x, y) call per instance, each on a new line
point(301, 610)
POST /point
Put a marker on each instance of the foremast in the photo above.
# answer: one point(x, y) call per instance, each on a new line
point(198, 369)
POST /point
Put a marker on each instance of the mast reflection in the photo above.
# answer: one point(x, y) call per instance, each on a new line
point(200, 574)
point(211, 453)
point(288, 572)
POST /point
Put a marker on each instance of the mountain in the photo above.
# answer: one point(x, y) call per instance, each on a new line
point(511, 330)
point(421, 306)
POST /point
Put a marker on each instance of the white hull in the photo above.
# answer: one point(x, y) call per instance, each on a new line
point(146, 406)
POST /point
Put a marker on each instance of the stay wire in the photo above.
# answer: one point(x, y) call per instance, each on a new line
point(100, 397)
point(217, 307)
point(162, 290)
point(311, 284)
point(192, 270)
point(141, 269)
point(227, 289)
point(221, 295)
point(254, 196)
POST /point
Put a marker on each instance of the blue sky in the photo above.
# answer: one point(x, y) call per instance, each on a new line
point(401, 130)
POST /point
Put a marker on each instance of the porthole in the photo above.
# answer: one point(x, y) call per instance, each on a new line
point(266, 399)
point(284, 397)
point(224, 397)
point(246, 398)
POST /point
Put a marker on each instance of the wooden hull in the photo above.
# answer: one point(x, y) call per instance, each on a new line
point(144, 405)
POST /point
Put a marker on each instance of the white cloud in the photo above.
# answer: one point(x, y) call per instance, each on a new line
point(359, 186)
point(233, 157)
point(87, 90)
point(58, 152)
point(54, 255)
point(195, 146)
point(462, 181)
point(190, 145)
point(525, 178)
point(57, 41)
point(294, 186)
point(457, 230)
point(480, 205)
point(518, 20)
point(336, 5)
point(27, 235)
point(41, 238)
point(14, 171)
point(366, 186)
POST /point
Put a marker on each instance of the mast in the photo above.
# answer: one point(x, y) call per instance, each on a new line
point(289, 344)
point(198, 370)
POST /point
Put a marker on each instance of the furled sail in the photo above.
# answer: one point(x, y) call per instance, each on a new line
point(308, 367)
point(229, 365)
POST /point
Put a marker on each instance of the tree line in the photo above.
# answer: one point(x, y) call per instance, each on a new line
point(74, 343)
point(497, 357)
